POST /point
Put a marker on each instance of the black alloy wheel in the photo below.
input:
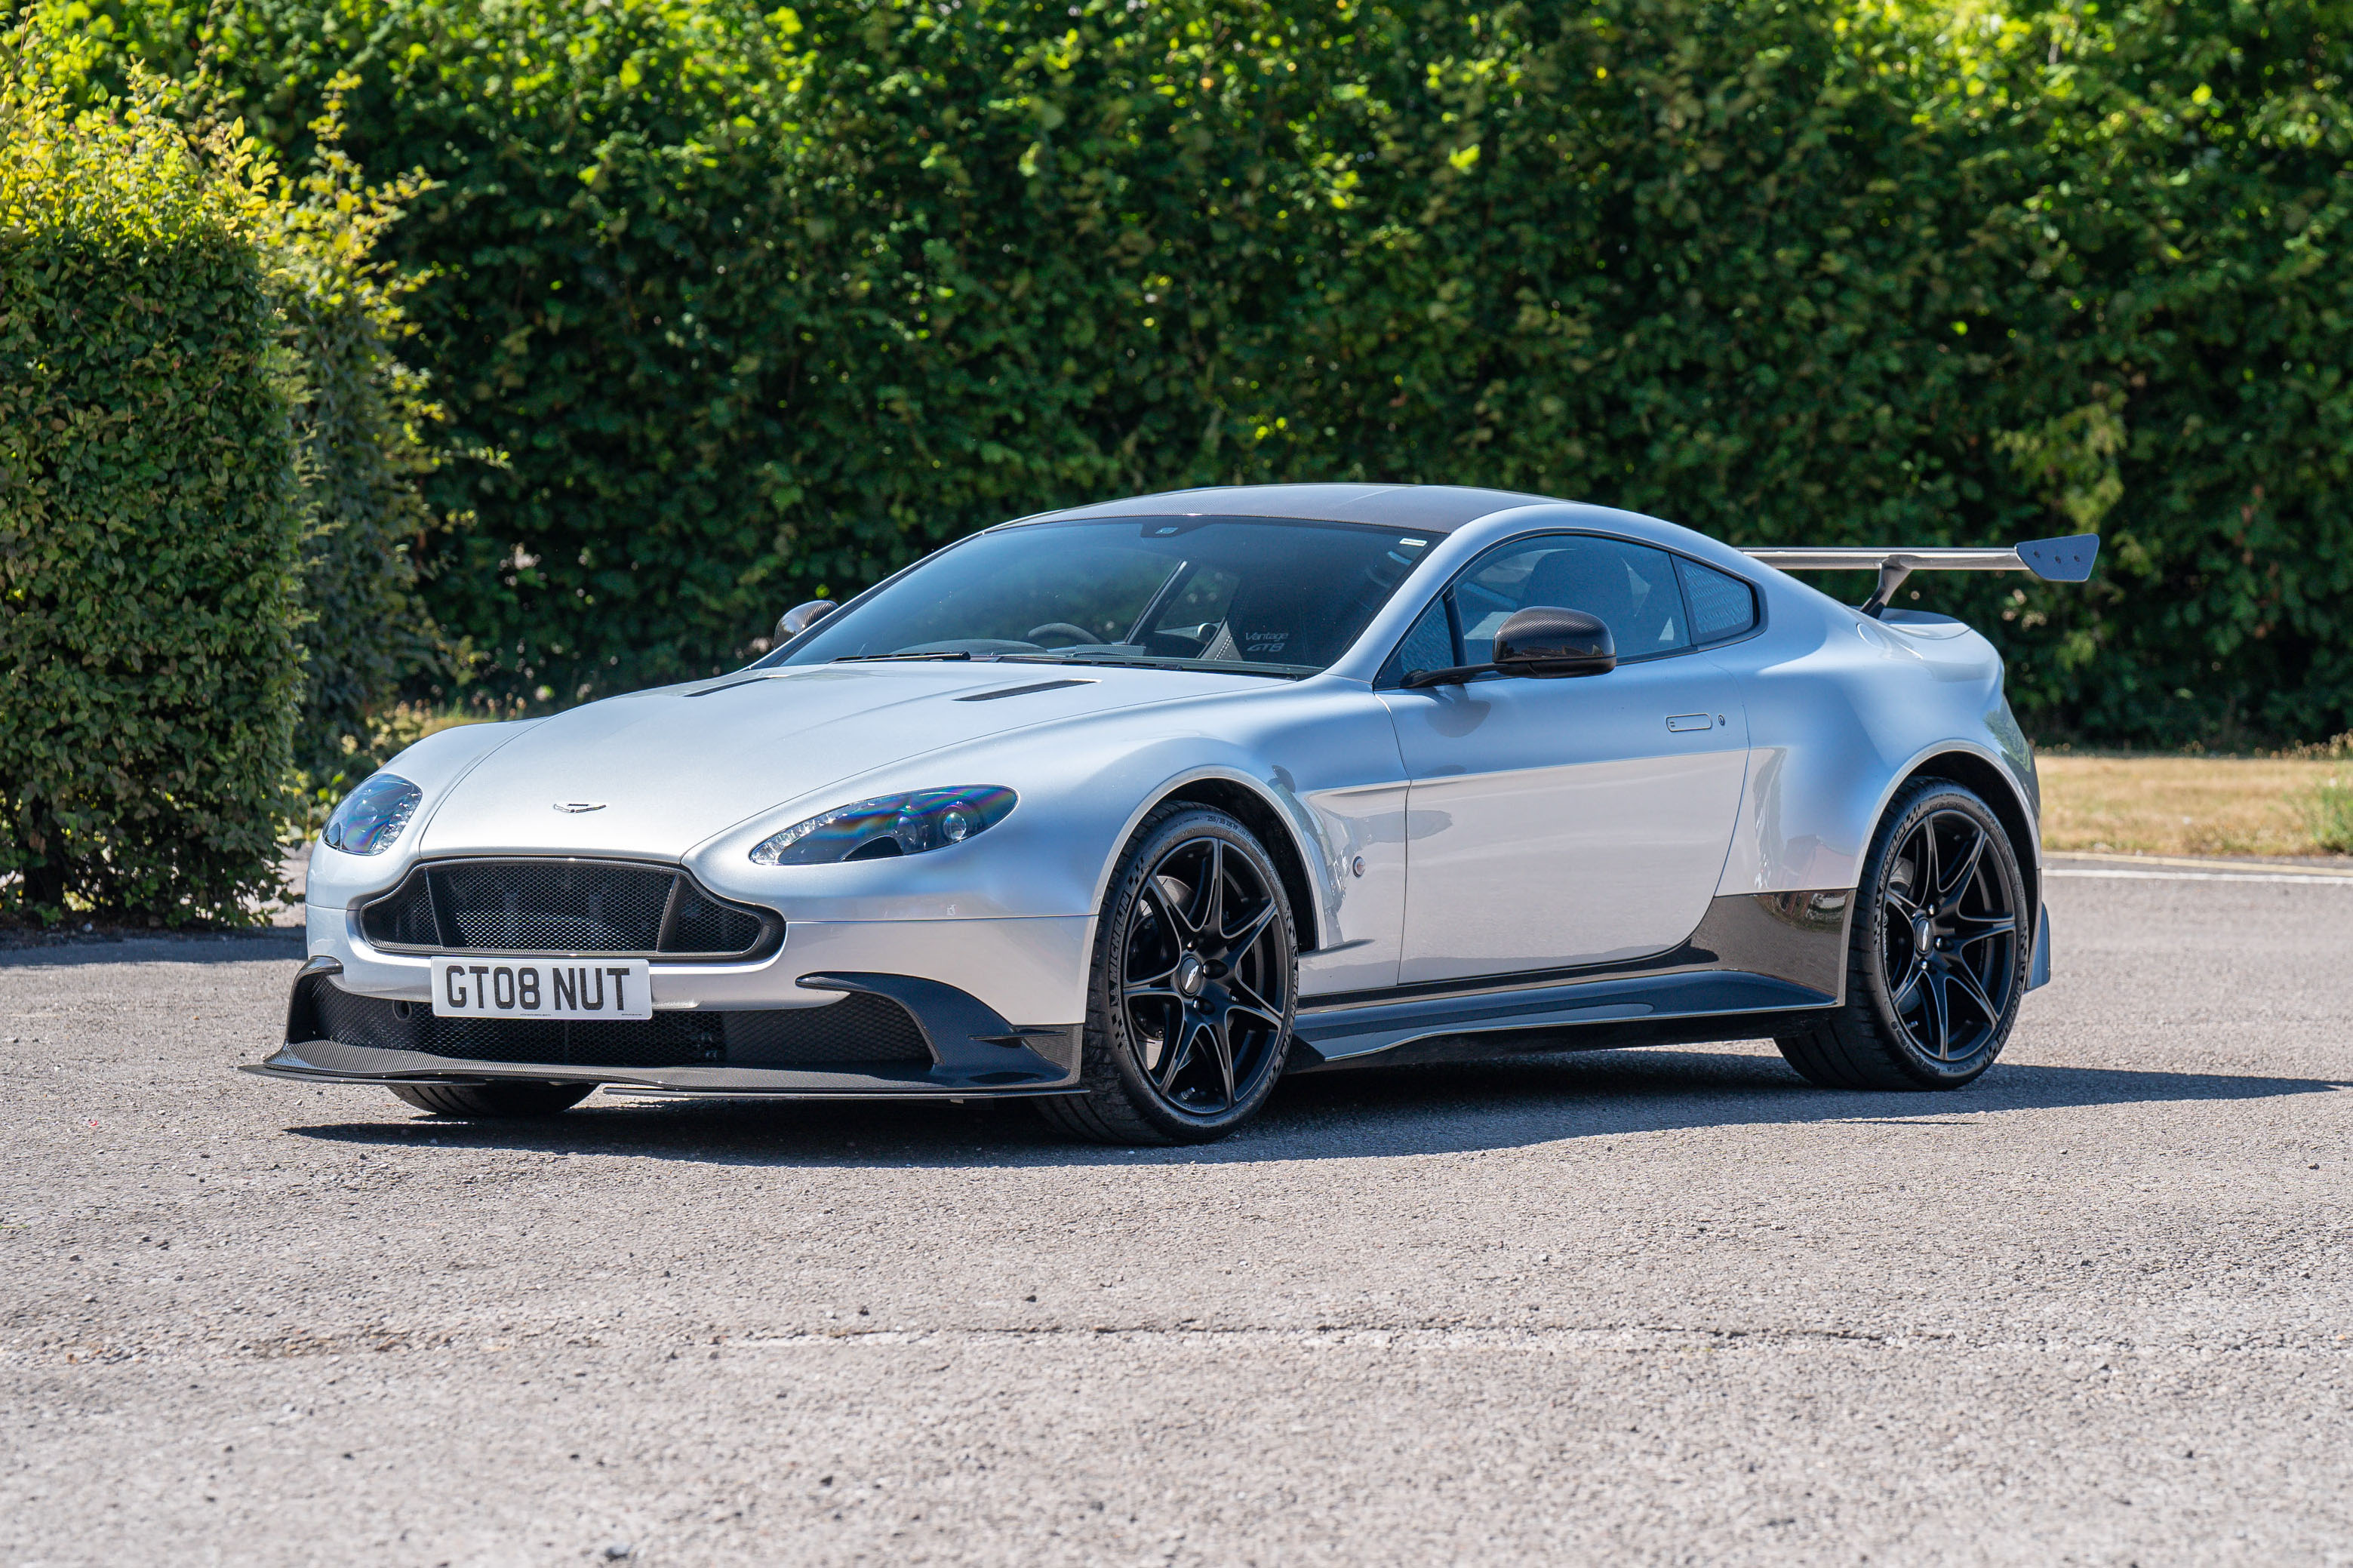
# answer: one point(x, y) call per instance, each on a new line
point(1196, 974)
point(1949, 930)
point(1937, 956)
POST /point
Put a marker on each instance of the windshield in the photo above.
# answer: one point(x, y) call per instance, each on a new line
point(1258, 596)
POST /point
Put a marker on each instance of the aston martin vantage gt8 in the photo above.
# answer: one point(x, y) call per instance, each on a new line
point(1132, 808)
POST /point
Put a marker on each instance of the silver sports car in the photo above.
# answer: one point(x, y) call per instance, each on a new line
point(1133, 807)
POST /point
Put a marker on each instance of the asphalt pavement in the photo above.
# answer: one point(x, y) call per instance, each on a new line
point(1647, 1307)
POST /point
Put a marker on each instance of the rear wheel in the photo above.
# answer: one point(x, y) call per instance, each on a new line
point(492, 1100)
point(1189, 1010)
point(1936, 958)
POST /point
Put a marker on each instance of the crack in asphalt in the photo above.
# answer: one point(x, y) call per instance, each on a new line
point(1622, 1339)
point(1378, 1335)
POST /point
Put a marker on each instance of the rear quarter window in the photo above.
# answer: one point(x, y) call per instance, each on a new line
point(1722, 605)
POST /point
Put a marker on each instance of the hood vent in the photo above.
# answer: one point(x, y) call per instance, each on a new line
point(1022, 690)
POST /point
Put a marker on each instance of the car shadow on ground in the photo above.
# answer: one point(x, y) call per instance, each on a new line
point(1373, 1113)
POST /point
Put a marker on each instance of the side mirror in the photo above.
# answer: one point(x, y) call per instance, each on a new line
point(1549, 644)
point(800, 618)
point(1541, 641)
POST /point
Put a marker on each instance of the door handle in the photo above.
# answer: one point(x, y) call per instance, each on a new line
point(1679, 723)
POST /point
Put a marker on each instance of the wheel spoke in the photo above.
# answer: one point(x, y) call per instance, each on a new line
point(1135, 993)
point(1221, 1046)
point(1181, 931)
point(1969, 985)
point(1213, 908)
point(1911, 985)
point(1170, 1012)
point(1987, 925)
point(1180, 1051)
point(1160, 976)
point(1248, 998)
point(1939, 1013)
point(1252, 929)
point(1947, 894)
point(1256, 1015)
point(1923, 863)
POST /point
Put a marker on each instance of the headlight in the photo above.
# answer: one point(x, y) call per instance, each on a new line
point(371, 816)
point(894, 824)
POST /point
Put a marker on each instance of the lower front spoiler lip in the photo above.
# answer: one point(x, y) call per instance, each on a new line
point(330, 1061)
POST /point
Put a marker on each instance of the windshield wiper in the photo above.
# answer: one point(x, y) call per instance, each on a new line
point(872, 657)
point(1141, 660)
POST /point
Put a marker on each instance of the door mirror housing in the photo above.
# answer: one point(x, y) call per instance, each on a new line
point(1541, 641)
point(1549, 643)
point(800, 618)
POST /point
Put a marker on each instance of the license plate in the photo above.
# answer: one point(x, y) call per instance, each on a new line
point(543, 988)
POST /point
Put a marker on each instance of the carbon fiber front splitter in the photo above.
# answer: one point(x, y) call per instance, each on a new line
point(329, 1062)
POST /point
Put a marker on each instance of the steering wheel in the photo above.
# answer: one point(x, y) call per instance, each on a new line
point(1078, 635)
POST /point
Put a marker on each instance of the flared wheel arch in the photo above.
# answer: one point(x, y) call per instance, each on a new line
point(1268, 823)
point(1992, 784)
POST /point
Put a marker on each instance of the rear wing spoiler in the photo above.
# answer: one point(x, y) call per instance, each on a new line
point(2067, 559)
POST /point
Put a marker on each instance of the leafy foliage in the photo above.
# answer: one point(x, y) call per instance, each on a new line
point(360, 418)
point(209, 460)
point(148, 515)
point(761, 303)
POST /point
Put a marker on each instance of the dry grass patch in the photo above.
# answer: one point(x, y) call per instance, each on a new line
point(2198, 805)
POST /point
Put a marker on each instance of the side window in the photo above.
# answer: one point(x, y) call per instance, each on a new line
point(1428, 646)
point(1721, 606)
point(1631, 588)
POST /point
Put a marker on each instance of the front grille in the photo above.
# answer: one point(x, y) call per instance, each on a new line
point(564, 906)
point(860, 1030)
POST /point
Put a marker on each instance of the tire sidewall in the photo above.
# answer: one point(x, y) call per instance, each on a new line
point(1937, 795)
point(1109, 1018)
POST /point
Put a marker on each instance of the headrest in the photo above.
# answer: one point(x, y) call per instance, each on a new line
point(1586, 574)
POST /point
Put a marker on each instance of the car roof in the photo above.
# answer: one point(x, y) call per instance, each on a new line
point(1435, 509)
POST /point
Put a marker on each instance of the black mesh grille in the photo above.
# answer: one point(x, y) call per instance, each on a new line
point(859, 1030)
point(553, 908)
point(403, 918)
point(701, 923)
point(562, 906)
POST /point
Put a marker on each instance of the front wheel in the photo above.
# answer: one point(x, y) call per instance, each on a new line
point(1196, 969)
point(1937, 959)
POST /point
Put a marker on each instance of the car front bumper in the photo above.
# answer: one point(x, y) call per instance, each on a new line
point(993, 1012)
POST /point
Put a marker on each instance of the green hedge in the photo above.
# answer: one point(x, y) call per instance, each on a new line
point(149, 519)
point(361, 419)
point(755, 303)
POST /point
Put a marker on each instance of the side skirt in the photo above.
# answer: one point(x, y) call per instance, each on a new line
point(1757, 964)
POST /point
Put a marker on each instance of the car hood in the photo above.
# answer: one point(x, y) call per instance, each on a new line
point(665, 769)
